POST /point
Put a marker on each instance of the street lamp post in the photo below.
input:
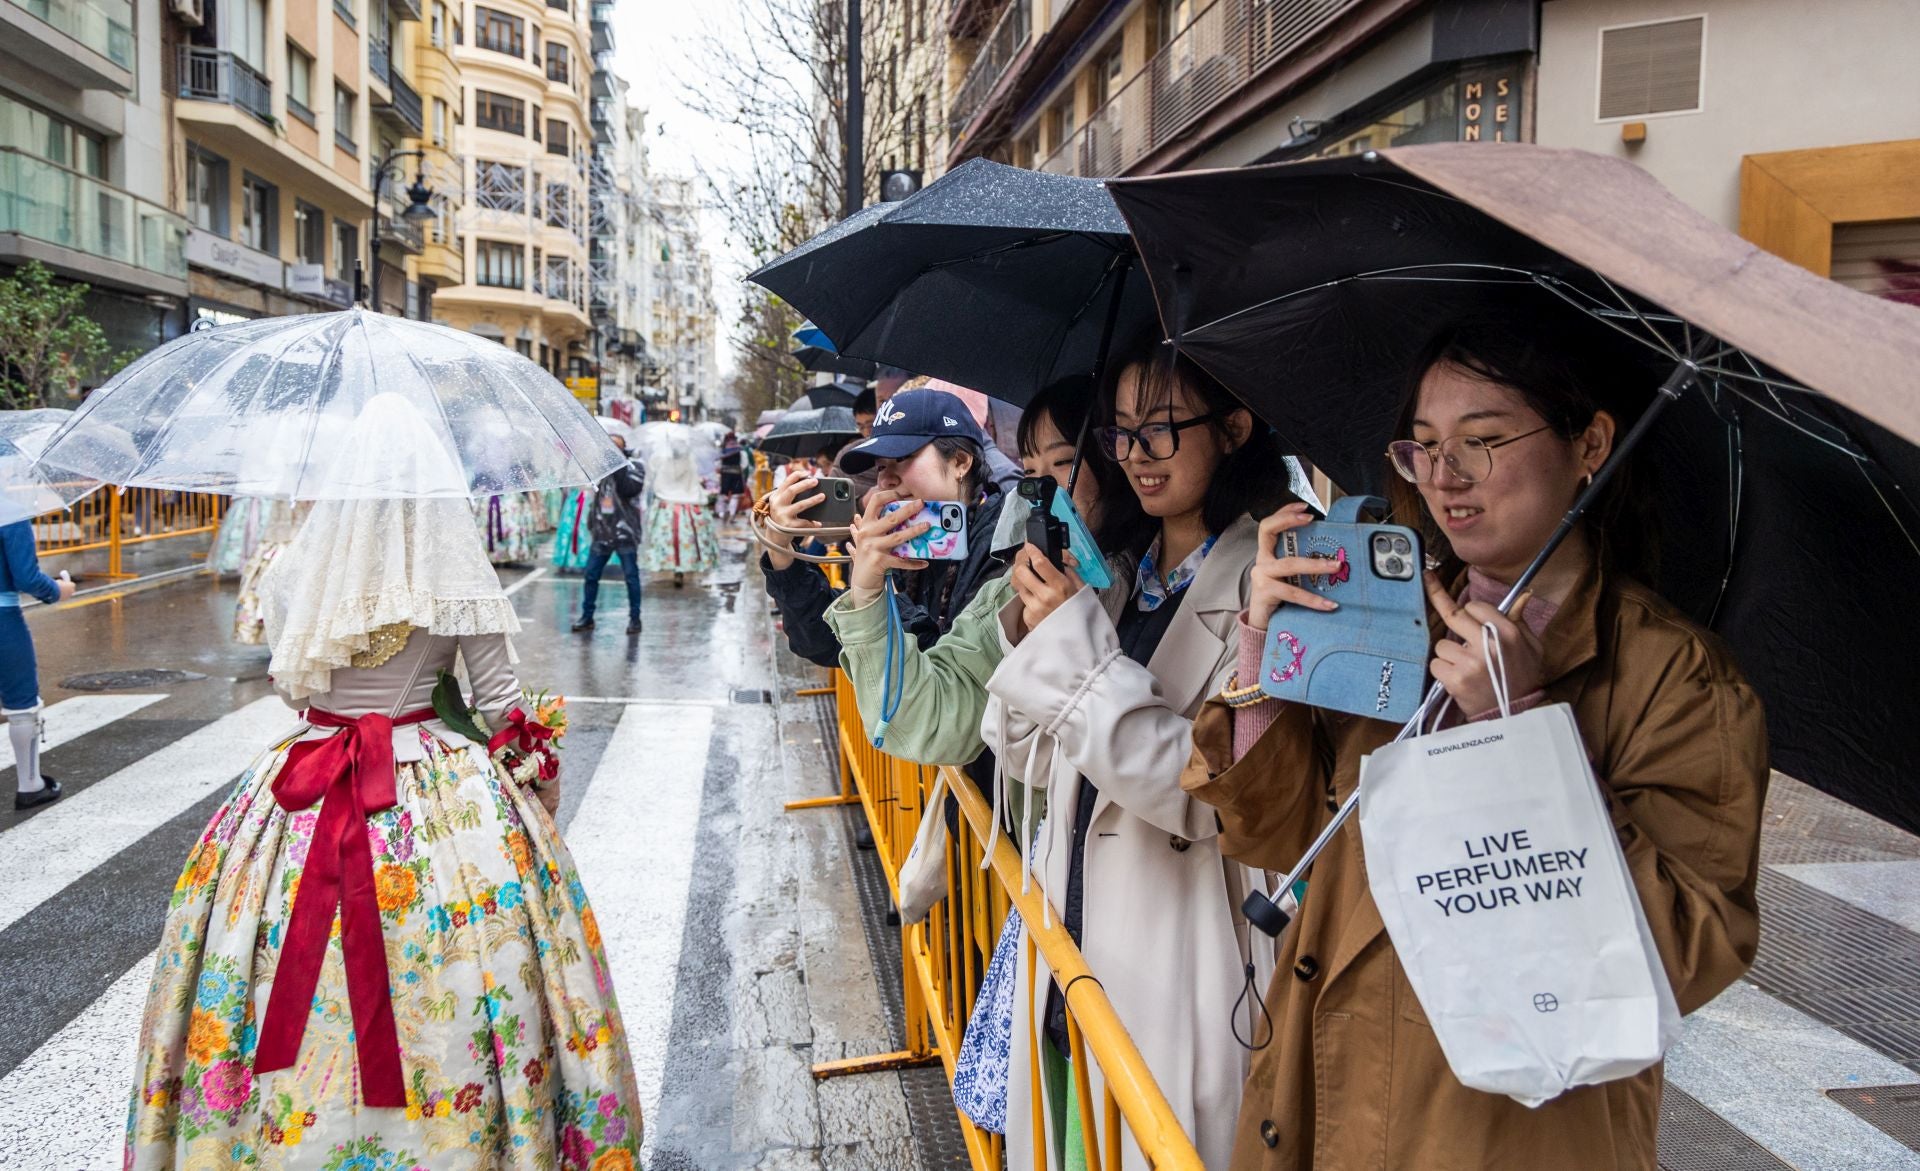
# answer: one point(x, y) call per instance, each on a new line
point(419, 210)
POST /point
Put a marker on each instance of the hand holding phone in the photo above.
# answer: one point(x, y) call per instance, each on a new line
point(835, 508)
point(1045, 531)
point(945, 538)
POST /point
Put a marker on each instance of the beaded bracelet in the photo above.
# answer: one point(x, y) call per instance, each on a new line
point(1237, 697)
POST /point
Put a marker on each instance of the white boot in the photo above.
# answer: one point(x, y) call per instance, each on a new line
point(23, 728)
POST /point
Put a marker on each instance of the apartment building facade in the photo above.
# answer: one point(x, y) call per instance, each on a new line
point(685, 317)
point(526, 79)
point(83, 160)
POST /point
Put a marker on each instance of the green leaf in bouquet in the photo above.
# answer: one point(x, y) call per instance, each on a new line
point(451, 706)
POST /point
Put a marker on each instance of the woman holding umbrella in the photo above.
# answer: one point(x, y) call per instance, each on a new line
point(1496, 438)
point(461, 1014)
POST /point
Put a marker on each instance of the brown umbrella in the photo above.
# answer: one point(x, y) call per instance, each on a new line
point(1783, 435)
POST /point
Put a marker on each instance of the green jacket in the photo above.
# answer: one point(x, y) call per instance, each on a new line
point(942, 690)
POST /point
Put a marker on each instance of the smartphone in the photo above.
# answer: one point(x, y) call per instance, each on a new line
point(945, 541)
point(1054, 527)
point(1369, 657)
point(836, 511)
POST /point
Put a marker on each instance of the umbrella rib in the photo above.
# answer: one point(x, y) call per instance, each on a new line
point(166, 425)
point(1656, 343)
point(1375, 274)
point(1638, 315)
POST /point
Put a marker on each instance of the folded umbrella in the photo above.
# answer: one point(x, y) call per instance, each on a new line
point(265, 408)
point(993, 277)
point(1786, 429)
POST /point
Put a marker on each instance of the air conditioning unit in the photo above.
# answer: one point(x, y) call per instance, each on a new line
point(190, 12)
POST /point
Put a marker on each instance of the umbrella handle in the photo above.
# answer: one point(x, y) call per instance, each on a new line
point(760, 524)
point(1262, 910)
point(1123, 264)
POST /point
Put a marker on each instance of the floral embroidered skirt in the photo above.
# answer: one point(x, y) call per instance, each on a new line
point(509, 524)
point(572, 544)
point(679, 539)
point(512, 1050)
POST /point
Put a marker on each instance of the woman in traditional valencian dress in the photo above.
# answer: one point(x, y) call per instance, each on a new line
point(458, 1014)
point(679, 536)
point(571, 544)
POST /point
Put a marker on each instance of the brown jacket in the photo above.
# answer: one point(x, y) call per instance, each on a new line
point(1354, 1079)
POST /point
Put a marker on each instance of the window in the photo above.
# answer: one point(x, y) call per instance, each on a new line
point(559, 206)
point(1106, 74)
point(247, 31)
point(456, 33)
point(346, 249)
point(309, 233)
point(47, 136)
point(343, 101)
point(1651, 68)
point(207, 191)
point(259, 214)
point(499, 264)
point(438, 24)
point(439, 122)
point(299, 83)
point(493, 111)
point(533, 53)
point(500, 186)
point(524, 346)
point(499, 32)
point(557, 137)
point(1060, 123)
point(536, 123)
point(557, 62)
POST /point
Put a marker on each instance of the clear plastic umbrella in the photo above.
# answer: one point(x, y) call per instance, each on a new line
point(274, 408)
point(28, 489)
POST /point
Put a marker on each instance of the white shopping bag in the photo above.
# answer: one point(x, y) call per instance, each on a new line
point(1499, 877)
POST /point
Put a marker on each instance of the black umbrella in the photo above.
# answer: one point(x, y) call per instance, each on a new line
point(821, 360)
point(827, 394)
point(992, 277)
point(1788, 418)
point(803, 432)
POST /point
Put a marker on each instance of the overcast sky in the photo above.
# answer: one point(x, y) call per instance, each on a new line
point(656, 46)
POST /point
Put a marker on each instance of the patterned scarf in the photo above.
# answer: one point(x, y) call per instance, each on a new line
point(1151, 590)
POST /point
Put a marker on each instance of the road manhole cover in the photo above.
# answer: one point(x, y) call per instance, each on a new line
point(128, 680)
point(752, 695)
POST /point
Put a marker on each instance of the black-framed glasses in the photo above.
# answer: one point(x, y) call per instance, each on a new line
point(1159, 440)
point(1468, 457)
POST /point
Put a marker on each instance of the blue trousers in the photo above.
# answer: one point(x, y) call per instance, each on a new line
point(597, 557)
point(19, 674)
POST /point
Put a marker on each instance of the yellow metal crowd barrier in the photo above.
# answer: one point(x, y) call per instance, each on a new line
point(114, 520)
point(945, 960)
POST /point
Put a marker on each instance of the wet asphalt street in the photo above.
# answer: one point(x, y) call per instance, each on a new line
point(734, 929)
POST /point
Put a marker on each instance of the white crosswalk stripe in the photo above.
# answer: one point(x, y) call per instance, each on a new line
point(73, 718)
point(63, 842)
point(633, 838)
point(65, 1106)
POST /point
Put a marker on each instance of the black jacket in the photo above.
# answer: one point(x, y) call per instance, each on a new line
point(929, 598)
point(613, 512)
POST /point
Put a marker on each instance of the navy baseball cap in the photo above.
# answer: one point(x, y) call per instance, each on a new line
point(908, 422)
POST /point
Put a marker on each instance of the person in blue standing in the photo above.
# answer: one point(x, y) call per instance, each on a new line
point(19, 674)
point(613, 522)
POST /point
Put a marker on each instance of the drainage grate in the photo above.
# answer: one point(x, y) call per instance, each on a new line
point(1895, 1110)
point(127, 680)
point(752, 695)
point(1694, 1138)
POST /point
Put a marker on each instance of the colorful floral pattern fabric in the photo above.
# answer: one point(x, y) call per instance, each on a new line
point(679, 538)
point(1150, 589)
point(512, 1048)
point(572, 544)
point(509, 523)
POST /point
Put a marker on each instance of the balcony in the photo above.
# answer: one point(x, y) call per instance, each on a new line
point(87, 43)
point(216, 75)
point(404, 108)
point(1011, 33)
point(1216, 55)
point(379, 58)
point(602, 38)
point(401, 233)
point(602, 84)
point(405, 9)
point(137, 243)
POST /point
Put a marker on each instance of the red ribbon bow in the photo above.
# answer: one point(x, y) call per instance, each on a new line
point(528, 739)
point(352, 773)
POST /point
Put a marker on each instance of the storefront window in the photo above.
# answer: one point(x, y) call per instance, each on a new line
point(1481, 104)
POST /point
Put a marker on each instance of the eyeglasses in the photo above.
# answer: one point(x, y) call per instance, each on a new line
point(1468, 457)
point(1159, 440)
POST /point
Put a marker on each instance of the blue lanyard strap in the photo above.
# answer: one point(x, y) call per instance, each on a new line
point(892, 679)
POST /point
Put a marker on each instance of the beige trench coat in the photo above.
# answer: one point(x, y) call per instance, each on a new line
point(1355, 1079)
point(1160, 908)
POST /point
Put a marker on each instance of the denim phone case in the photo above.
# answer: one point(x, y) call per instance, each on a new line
point(936, 544)
point(1369, 657)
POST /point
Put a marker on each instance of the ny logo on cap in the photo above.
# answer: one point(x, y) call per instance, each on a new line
point(889, 413)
